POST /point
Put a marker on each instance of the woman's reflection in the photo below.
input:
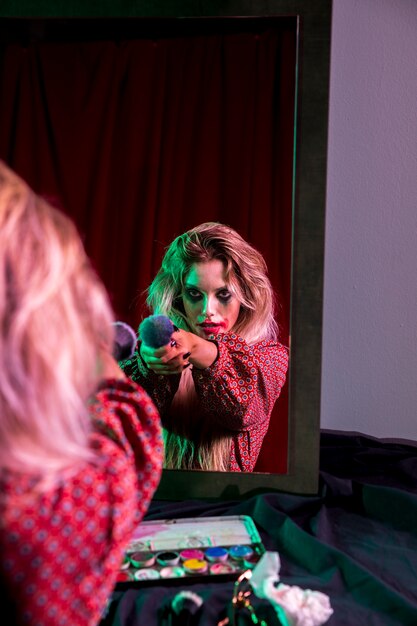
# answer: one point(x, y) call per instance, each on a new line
point(216, 382)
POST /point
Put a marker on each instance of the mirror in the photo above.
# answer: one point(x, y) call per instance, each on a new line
point(305, 184)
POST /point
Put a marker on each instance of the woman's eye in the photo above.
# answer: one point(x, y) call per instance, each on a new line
point(224, 296)
point(193, 294)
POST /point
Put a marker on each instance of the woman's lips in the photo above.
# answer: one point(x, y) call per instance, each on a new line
point(211, 328)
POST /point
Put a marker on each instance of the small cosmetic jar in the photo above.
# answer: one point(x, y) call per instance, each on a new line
point(141, 559)
point(168, 558)
point(240, 553)
point(172, 572)
point(217, 554)
point(222, 568)
point(146, 574)
point(191, 553)
point(195, 566)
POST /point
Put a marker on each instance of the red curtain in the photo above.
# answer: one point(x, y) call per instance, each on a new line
point(140, 139)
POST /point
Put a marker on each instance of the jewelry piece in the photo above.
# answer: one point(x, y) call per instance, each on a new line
point(241, 600)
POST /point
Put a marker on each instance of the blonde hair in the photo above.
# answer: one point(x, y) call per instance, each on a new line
point(246, 276)
point(193, 443)
point(181, 453)
point(55, 319)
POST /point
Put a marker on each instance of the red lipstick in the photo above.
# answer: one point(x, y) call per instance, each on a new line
point(212, 328)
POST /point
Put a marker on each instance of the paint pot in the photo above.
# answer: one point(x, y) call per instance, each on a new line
point(195, 566)
point(172, 572)
point(239, 553)
point(192, 553)
point(141, 559)
point(168, 558)
point(217, 554)
point(222, 568)
point(146, 574)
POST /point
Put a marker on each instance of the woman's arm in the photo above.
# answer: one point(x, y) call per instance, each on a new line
point(185, 348)
point(160, 388)
point(124, 413)
point(242, 385)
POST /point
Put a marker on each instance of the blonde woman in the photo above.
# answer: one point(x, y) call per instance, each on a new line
point(216, 382)
point(80, 444)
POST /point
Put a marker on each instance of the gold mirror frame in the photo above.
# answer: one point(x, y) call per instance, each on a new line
point(309, 197)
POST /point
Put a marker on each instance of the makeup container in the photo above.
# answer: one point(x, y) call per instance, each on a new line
point(239, 553)
point(190, 549)
point(141, 559)
point(217, 554)
point(172, 572)
point(146, 574)
point(191, 553)
point(168, 558)
point(222, 568)
point(195, 566)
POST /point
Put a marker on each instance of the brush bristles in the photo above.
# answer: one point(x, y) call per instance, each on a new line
point(155, 331)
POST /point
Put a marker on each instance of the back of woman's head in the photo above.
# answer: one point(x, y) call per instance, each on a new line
point(54, 320)
point(246, 274)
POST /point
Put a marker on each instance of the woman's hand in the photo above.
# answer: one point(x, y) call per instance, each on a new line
point(172, 358)
point(185, 349)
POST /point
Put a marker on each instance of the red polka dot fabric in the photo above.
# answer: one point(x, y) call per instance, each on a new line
point(236, 393)
point(62, 547)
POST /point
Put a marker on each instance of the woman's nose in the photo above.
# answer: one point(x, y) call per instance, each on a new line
point(208, 307)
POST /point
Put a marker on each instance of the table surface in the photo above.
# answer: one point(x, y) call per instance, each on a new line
point(356, 541)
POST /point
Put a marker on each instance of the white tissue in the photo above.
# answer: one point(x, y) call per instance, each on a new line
point(301, 607)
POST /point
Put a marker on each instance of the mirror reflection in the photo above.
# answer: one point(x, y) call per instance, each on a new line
point(141, 130)
point(216, 378)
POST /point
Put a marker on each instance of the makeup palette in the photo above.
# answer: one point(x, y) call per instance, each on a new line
point(191, 548)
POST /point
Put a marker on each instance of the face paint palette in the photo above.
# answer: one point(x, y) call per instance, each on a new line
point(215, 548)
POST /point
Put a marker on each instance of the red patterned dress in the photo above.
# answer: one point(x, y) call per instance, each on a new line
point(61, 548)
point(235, 395)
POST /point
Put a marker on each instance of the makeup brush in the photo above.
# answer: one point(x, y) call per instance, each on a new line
point(155, 331)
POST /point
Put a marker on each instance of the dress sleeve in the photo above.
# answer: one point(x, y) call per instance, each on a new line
point(124, 413)
point(242, 385)
point(160, 388)
point(75, 530)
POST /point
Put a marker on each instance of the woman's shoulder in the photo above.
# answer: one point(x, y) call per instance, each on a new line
point(85, 514)
point(235, 351)
point(91, 482)
point(233, 340)
point(123, 391)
